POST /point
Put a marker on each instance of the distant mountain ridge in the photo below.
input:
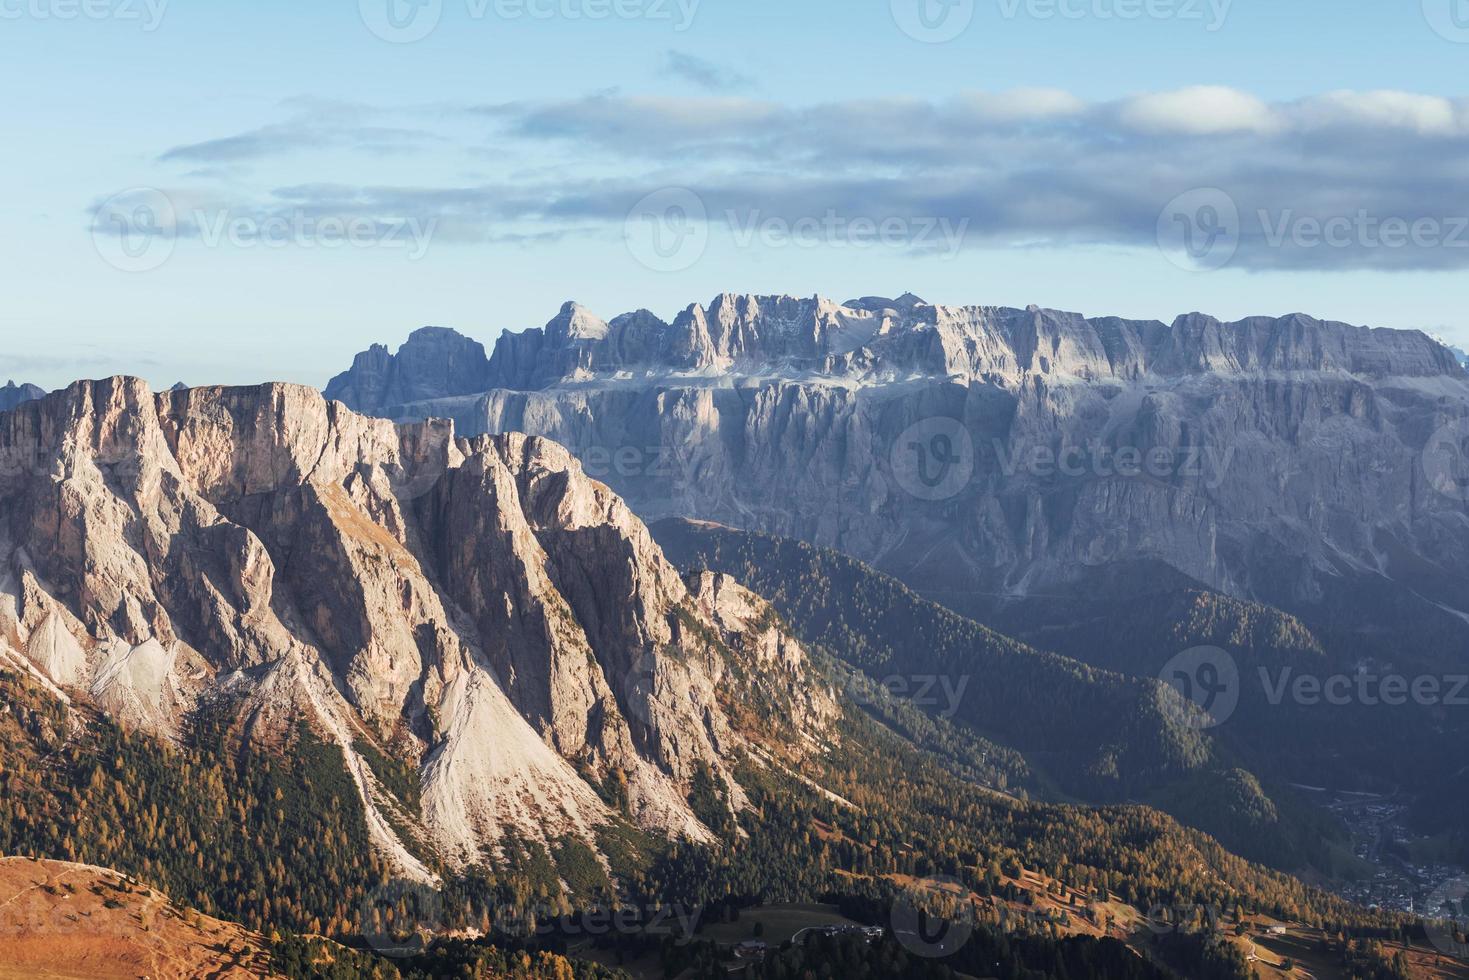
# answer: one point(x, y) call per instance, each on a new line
point(873, 340)
point(13, 394)
point(1292, 454)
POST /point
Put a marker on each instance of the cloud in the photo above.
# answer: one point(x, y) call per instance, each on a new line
point(705, 74)
point(1427, 115)
point(642, 124)
point(1024, 168)
point(1022, 104)
point(315, 125)
point(1201, 110)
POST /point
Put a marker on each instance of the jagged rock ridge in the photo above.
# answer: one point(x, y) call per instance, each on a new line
point(872, 340)
point(479, 606)
point(1283, 457)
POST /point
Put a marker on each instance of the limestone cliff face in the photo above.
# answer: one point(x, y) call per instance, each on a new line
point(479, 606)
point(1268, 458)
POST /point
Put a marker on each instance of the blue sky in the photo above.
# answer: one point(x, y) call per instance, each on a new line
point(1040, 146)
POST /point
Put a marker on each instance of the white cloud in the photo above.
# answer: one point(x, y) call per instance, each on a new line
point(1430, 115)
point(1202, 110)
point(1022, 104)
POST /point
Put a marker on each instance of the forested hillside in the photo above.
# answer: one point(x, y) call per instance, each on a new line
point(1044, 705)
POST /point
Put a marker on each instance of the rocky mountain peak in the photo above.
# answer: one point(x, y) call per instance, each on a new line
point(576, 323)
point(478, 607)
point(13, 394)
point(435, 362)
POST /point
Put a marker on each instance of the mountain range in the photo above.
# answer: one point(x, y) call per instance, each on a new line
point(1114, 491)
point(995, 458)
point(785, 600)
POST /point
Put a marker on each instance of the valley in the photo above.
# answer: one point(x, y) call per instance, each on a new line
point(1402, 869)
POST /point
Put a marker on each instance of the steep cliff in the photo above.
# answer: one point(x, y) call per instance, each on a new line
point(479, 608)
point(991, 454)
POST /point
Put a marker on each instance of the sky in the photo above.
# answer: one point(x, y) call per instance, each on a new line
point(233, 193)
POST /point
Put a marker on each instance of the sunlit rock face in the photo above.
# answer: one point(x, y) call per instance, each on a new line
point(478, 607)
point(1007, 452)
